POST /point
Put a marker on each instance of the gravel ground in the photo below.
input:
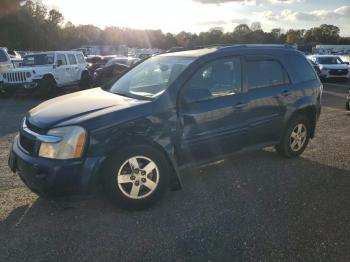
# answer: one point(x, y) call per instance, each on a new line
point(253, 207)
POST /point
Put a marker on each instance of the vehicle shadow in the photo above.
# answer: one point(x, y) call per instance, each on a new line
point(249, 207)
point(12, 111)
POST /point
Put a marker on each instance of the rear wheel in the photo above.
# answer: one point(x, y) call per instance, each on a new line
point(295, 138)
point(136, 177)
point(85, 81)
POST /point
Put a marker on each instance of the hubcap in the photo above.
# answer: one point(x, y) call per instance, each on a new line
point(298, 137)
point(138, 177)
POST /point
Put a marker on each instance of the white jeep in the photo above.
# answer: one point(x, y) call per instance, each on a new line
point(5, 62)
point(48, 72)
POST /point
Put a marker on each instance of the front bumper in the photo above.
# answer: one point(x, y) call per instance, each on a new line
point(47, 176)
point(25, 86)
point(327, 74)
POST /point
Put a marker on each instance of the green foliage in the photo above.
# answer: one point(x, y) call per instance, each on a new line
point(29, 25)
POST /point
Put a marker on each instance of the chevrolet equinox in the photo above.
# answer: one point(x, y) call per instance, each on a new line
point(170, 111)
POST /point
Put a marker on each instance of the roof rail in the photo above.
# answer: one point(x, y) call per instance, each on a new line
point(257, 46)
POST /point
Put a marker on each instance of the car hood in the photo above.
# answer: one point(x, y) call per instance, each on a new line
point(343, 66)
point(77, 107)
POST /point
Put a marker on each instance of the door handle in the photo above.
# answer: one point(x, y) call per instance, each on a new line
point(240, 105)
point(67, 68)
point(285, 93)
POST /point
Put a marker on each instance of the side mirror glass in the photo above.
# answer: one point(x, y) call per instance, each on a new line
point(195, 95)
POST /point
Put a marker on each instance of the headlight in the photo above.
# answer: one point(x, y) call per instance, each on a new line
point(28, 74)
point(71, 146)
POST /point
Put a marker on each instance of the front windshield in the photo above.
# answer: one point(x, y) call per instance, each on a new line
point(329, 60)
point(152, 77)
point(40, 59)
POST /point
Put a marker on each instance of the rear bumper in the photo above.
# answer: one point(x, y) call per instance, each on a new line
point(47, 176)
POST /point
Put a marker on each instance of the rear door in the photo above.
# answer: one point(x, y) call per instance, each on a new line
point(213, 111)
point(74, 68)
point(270, 92)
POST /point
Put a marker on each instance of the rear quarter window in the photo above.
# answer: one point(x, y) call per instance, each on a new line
point(81, 59)
point(3, 56)
point(300, 69)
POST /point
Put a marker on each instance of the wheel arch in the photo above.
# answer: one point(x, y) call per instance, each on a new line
point(51, 76)
point(310, 112)
point(166, 150)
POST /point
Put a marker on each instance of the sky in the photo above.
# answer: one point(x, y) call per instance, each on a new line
point(201, 15)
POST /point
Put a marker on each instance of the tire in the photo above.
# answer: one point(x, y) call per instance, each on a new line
point(294, 140)
point(47, 87)
point(140, 188)
point(85, 81)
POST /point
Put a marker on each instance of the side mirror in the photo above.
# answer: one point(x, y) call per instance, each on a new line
point(59, 63)
point(195, 95)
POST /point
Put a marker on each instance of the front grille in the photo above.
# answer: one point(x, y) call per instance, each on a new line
point(338, 72)
point(28, 143)
point(15, 77)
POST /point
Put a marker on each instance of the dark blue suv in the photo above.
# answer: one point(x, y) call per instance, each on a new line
point(169, 111)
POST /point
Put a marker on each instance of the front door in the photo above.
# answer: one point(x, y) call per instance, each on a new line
point(213, 111)
point(62, 73)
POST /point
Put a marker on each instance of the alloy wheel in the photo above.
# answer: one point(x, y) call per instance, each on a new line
point(138, 177)
point(298, 137)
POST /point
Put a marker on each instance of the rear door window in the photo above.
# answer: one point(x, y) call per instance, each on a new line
point(265, 73)
point(3, 56)
point(72, 59)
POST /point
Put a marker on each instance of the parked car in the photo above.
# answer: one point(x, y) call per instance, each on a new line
point(170, 111)
point(105, 74)
point(347, 104)
point(95, 62)
point(128, 61)
point(315, 66)
point(112, 69)
point(5, 65)
point(48, 72)
point(15, 57)
point(331, 66)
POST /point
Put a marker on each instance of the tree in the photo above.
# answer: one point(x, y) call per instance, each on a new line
point(242, 29)
point(27, 25)
point(55, 17)
point(256, 26)
point(9, 6)
point(295, 36)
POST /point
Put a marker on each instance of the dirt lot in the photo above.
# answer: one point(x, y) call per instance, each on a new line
point(253, 207)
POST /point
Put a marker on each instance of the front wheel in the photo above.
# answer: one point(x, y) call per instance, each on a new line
point(295, 138)
point(47, 87)
point(136, 177)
